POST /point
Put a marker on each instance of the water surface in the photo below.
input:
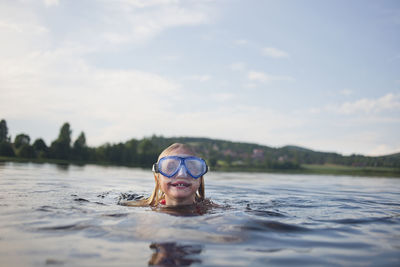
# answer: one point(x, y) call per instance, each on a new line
point(69, 215)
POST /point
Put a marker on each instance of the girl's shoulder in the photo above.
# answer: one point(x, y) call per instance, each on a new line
point(135, 200)
point(134, 203)
point(207, 202)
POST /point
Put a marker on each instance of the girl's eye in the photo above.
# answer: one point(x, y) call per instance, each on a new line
point(195, 167)
point(170, 166)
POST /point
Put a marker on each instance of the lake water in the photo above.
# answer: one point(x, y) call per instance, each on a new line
point(69, 216)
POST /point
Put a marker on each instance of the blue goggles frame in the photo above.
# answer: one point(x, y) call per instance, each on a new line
point(156, 166)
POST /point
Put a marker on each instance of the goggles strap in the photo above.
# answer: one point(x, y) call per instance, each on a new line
point(155, 168)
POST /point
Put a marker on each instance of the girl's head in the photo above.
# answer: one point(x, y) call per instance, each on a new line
point(178, 176)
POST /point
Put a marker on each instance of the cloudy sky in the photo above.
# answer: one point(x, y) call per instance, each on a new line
point(319, 74)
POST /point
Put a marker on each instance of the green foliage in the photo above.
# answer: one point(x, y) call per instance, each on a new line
point(3, 131)
point(21, 140)
point(80, 141)
point(40, 148)
point(61, 147)
point(212, 162)
point(23, 147)
point(65, 134)
point(26, 151)
point(131, 152)
point(148, 152)
point(80, 150)
point(6, 149)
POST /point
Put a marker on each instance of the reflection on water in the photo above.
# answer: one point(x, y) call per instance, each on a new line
point(62, 166)
point(172, 254)
point(71, 216)
point(190, 210)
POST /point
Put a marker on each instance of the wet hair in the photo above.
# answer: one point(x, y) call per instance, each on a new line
point(157, 195)
point(176, 146)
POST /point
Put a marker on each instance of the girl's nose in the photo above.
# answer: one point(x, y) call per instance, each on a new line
point(182, 172)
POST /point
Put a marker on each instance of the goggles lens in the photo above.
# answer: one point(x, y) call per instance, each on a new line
point(170, 165)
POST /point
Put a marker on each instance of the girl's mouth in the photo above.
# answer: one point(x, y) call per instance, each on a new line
point(180, 184)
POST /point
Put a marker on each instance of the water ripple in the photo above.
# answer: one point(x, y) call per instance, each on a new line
point(261, 225)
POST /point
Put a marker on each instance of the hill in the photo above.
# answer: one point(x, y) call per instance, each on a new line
point(222, 152)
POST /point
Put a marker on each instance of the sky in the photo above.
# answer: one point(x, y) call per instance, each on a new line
point(323, 75)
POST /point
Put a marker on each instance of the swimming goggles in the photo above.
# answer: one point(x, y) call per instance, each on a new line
point(170, 166)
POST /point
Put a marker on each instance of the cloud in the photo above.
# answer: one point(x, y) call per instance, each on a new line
point(21, 28)
point(387, 102)
point(274, 52)
point(49, 3)
point(232, 122)
point(140, 21)
point(371, 143)
point(9, 27)
point(57, 86)
point(382, 149)
point(67, 67)
point(262, 77)
point(48, 78)
point(198, 78)
point(123, 22)
point(114, 105)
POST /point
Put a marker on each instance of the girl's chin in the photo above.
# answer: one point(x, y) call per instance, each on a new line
point(181, 193)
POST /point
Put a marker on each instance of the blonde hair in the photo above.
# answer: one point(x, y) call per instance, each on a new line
point(157, 195)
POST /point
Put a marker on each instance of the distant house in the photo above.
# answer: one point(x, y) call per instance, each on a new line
point(258, 154)
point(229, 152)
point(283, 158)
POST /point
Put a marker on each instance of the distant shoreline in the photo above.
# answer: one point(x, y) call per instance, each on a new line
point(328, 169)
point(220, 155)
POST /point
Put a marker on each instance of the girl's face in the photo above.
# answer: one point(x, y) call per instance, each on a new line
point(181, 188)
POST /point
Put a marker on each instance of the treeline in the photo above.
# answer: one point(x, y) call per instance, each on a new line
point(219, 154)
point(132, 153)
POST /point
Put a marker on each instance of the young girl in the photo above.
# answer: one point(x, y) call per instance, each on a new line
point(179, 180)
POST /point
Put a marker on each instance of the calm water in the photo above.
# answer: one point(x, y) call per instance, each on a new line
point(52, 215)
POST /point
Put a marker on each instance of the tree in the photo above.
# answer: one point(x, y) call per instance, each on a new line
point(26, 151)
point(40, 148)
point(148, 152)
point(6, 148)
point(130, 155)
point(80, 141)
point(65, 134)
point(80, 150)
point(21, 140)
point(212, 162)
point(3, 131)
point(61, 147)
point(23, 147)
